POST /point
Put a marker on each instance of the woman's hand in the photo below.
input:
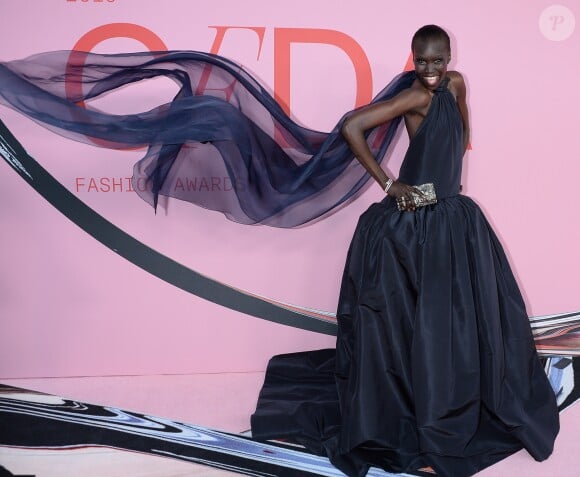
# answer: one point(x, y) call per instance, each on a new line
point(403, 193)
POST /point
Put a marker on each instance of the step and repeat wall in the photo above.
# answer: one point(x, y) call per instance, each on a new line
point(202, 294)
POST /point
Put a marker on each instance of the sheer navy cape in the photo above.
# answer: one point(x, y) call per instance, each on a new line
point(222, 123)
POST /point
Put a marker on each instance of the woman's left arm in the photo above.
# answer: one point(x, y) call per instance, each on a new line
point(461, 92)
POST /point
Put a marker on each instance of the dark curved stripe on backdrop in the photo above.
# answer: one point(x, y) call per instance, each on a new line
point(140, 254)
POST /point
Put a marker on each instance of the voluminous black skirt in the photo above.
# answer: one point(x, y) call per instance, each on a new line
point(435, 363)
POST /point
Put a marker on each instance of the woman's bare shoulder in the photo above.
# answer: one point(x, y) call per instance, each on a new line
point(419, 93)
point(456, 83)
point(455, 76)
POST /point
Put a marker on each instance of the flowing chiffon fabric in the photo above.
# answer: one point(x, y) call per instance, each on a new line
point(221, 123)
point(435, 363)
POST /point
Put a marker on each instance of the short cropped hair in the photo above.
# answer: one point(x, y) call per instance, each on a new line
point(430, 32)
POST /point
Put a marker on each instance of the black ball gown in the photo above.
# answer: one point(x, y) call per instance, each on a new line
point(435, 363)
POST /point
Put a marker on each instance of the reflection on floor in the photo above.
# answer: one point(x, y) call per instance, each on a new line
point(44, 435)
point(43, 432)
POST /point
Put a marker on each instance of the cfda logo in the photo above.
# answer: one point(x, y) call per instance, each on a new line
point(284, 38)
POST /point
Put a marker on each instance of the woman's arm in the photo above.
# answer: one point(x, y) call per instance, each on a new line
point(461, 92)
point(369, 117)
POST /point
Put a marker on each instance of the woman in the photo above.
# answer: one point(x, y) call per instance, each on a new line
point(435, 363)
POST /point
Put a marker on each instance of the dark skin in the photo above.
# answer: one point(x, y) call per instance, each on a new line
point(431, 57)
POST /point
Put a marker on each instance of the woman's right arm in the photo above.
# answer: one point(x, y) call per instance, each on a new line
point(369, 117)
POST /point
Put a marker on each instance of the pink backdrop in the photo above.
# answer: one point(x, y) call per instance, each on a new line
point(71, 307)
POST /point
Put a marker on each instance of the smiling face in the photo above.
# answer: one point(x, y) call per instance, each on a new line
point(431, 57)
